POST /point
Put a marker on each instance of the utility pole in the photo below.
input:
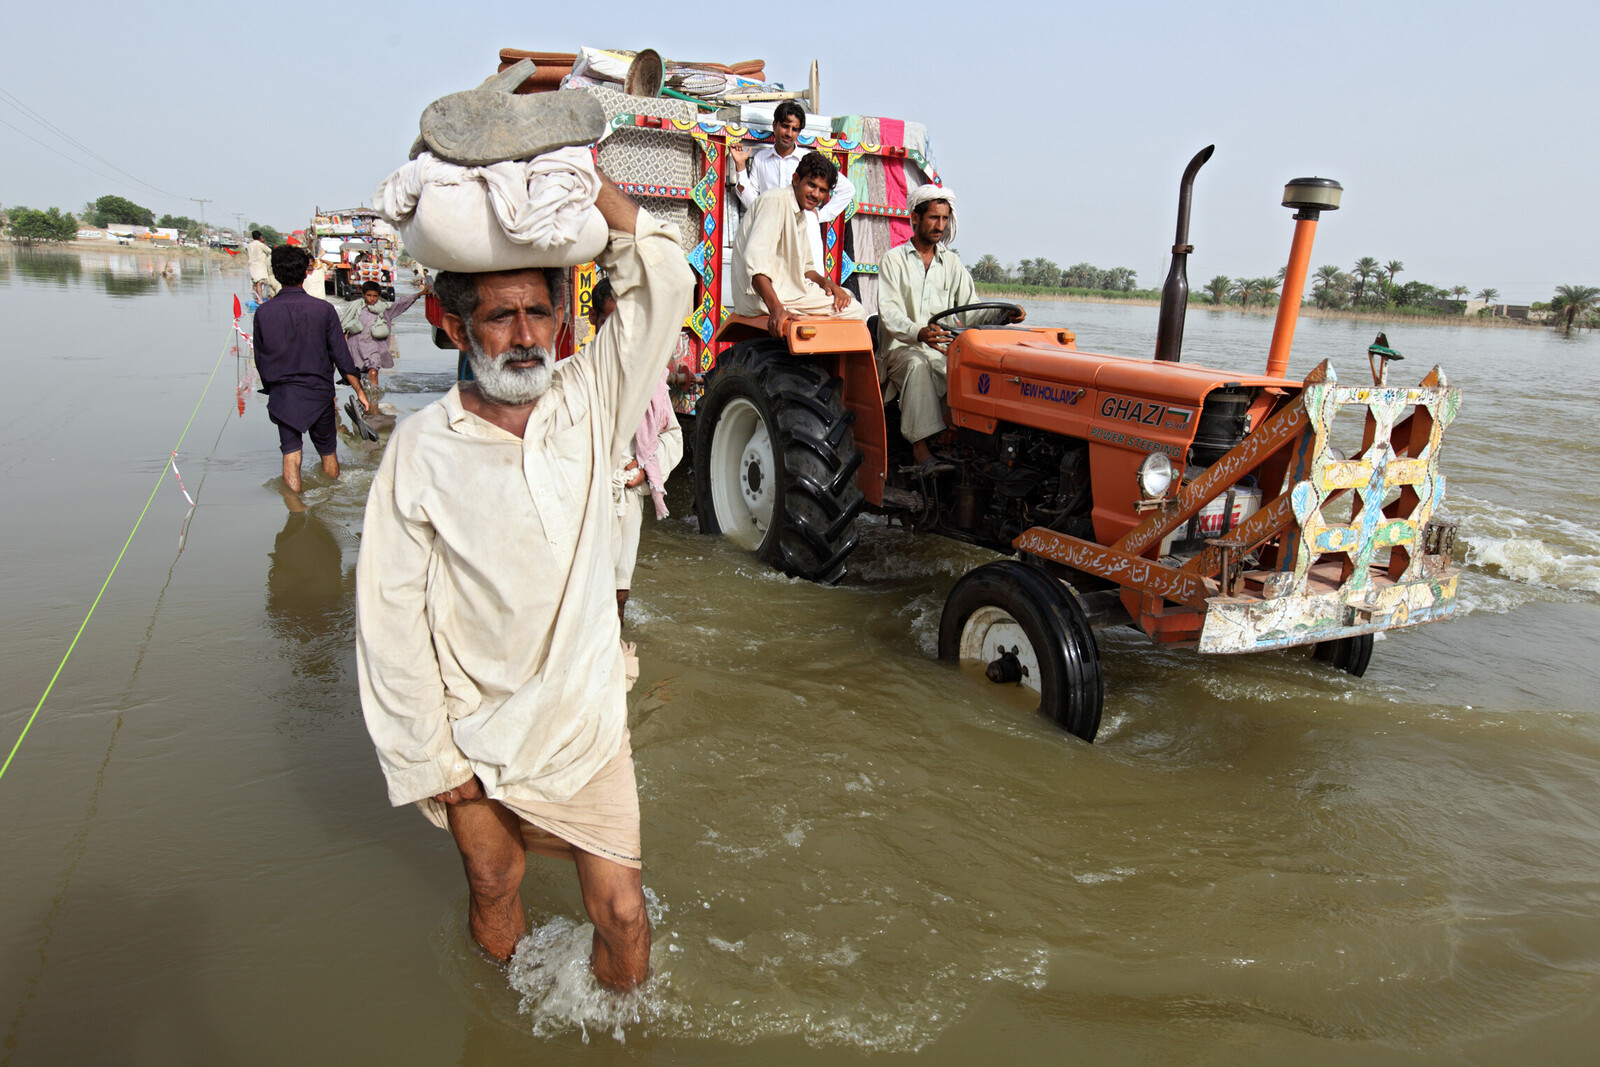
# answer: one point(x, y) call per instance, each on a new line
point(203, 235)
point(240, 218)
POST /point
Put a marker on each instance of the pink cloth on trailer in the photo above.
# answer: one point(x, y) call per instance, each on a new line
point(892, 132)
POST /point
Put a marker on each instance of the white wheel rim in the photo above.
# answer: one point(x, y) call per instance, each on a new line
point(744, 475)
point(989, 632)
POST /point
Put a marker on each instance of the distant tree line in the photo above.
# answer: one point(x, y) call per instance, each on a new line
point(1044, 274)
point(1370, 285)
point(28, 225)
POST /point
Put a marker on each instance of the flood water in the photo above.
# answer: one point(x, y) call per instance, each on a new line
point(851, 848)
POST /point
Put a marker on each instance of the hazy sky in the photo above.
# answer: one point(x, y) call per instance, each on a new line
point(1464, 134)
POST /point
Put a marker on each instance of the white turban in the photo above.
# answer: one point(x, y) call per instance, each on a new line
point(923, 194)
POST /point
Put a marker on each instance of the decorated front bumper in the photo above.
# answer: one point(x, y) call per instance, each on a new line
point(1330, 585)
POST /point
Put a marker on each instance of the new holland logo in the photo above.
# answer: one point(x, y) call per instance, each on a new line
point(983, 384)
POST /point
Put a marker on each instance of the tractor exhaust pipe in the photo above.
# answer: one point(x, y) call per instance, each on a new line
point(1175, 293)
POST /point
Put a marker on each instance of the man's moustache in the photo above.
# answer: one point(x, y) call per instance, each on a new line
point(521, 355)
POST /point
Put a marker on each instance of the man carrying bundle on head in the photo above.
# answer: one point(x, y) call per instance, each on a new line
point(916, 281)
point(487, 636)
point(774, 273)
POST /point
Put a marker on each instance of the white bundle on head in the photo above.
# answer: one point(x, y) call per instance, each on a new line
point(923, 194)
point(505, 216)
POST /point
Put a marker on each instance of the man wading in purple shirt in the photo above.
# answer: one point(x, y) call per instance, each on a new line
point(299, 344)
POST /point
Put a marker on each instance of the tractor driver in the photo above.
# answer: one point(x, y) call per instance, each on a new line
point(917, 280)
point(773, 270)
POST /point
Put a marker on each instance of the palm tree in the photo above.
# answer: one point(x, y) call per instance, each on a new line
point(1244, 289)
point(1572, 301)
point(1459, 291)
point(1268, 288)
point(1393, 267)
point(988, 269)
point(1366, 267)
point(1219, 287)
point(1327, 287)
point(1488, 295)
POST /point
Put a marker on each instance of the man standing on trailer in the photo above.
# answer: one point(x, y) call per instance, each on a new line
point(487, 640)
point(916, 281)
point(298, 347)
point(773, 272)
point(772, 167)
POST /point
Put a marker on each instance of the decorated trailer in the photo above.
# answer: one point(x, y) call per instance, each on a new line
point(670, 151)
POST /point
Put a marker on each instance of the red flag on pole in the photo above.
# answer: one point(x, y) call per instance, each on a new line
point(237, 310)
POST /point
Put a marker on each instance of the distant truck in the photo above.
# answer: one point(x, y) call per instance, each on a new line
point(356, 246)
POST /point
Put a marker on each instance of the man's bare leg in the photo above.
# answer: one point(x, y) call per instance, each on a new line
point(291, 470)
point(622, 600)
point(330, 465)
point(489, 838)
point(613, 895)
point(372, 376)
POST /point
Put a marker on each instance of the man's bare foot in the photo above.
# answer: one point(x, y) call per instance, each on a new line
point(291, 471)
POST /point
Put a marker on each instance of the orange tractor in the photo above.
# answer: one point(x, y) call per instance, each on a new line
point(1210, 509)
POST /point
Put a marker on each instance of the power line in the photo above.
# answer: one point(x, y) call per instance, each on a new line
point(60, 153)
point(15, 102)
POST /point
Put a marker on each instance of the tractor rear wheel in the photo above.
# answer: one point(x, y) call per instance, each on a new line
point(1348, 654)
point(775, 461)
point(1027, 629)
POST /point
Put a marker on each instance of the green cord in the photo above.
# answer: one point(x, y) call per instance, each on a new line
point(148, 500)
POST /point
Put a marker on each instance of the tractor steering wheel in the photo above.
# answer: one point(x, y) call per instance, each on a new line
point(983, 305)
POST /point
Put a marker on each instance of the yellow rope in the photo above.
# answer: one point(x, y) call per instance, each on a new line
point(103, 585)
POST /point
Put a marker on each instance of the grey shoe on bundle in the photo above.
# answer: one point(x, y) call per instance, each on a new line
point(482, 126)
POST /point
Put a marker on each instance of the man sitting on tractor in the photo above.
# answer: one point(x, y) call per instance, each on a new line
point(917, 280)
point(773, 271)
point(772, 167)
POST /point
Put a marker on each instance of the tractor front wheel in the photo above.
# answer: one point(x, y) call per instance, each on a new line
point(1026, 628)
point(1348, 654)
point(775, 461)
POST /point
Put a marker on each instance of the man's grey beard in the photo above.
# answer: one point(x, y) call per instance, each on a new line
point(509, 385)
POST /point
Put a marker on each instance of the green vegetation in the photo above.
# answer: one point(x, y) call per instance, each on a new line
point(183, 224)
point(27, 225)
point(1368, 286)
point(1043, 276)
point(988, 289)
point(114, 209)
point(1575, 304)
point(272, 237)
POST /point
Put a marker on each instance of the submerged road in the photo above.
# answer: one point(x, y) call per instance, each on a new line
point(850, 847)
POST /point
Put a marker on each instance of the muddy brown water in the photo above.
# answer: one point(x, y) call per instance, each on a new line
point(851, 848)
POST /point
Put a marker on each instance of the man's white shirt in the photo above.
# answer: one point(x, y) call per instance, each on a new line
point(768, 170)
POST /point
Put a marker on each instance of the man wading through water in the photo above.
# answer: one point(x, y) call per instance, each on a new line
point(487, 636)
point(298, 346)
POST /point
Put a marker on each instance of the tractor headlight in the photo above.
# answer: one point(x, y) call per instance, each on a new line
point(1155, 476)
